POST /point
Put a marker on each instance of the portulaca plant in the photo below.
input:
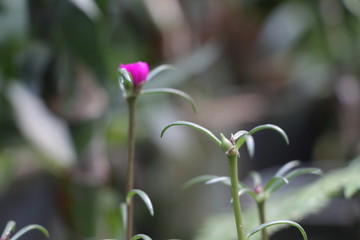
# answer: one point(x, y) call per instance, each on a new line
point(260, 192)
point(132, 79)
point(10, 228)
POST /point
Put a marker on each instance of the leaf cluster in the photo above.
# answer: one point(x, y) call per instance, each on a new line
point(11, 225)
point(295, 204)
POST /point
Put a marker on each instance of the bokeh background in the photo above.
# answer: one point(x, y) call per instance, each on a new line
point(63, 122)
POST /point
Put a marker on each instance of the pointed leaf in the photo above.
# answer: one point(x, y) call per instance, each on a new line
point(272, 186)
point(256, 178)
point(275, 183)
point(159, 70)
point(274, 223)
point(211, 179)
point(193, 125)
point(240, 134)
point(29, 228)
point(141, 236)
point(223, 180)
point(123, 214)
point(284, 169)
point(243, 136)
point(273, 127)
point(179, 93)
point(243, 188)
point(249, 192)
point(250, 144)
point(143, 196)
point(297, 172)
point(199, 179)
point(241, 140)
point(10, 227)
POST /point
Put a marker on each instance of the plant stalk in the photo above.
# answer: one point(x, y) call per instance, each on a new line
point(235, 196)
point(131, 101)
point(261, 211)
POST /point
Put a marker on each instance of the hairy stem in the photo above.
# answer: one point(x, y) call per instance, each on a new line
point(261, 211)
point(130, 166)
point(235, 196)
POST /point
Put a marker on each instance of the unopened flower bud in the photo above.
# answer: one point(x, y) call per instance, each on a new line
point(138, 71)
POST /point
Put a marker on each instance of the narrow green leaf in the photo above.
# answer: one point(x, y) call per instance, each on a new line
point(29, 228)
point(243, 136)
point(284, 169)
point(256, 178)
point(10, 227)
point(247, 191)
point(275, 183)
point(281, 181)
point(143, 196)
point(123, 214)
point(223, 180)
point(141, 236)
point(297, 172)
point(250, 144)
point(274, 223)
point(241, 140)
point(193, 125)
point(199, 179)
point(212, 179)
point(273, 127)
point(243, 188)
point(158, 70)
point(179, 93)
point(240, 134)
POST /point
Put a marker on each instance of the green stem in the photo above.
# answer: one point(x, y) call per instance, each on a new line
point(261, 211)
point(235, 196)
point(130, 167)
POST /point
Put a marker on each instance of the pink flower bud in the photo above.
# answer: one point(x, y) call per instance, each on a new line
point(139, 71)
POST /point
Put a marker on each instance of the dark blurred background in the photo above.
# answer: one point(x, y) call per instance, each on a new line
point(63, 122)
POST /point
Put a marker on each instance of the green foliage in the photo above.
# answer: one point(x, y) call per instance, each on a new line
point(295, 204)
point(275, 223)
point(143, 196)
point(192, 125)
point(141, 236)
point(285, 175)
point(10, 227)
point(246, 136)
point(199, 179)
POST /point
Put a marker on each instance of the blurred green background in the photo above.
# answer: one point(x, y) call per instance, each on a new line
point(63, 121)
